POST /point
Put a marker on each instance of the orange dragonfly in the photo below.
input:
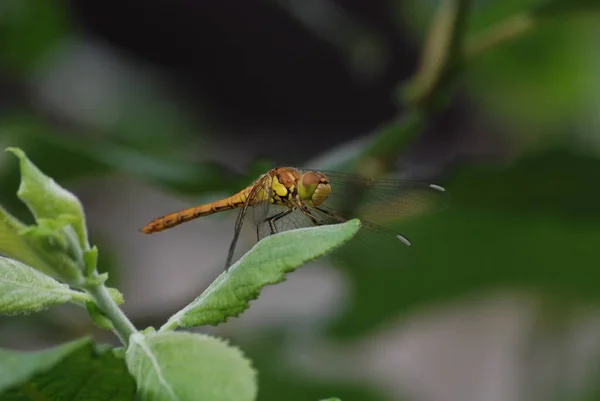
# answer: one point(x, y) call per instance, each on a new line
point(286, 198)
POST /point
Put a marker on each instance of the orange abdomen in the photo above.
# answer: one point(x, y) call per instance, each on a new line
point(182, 216)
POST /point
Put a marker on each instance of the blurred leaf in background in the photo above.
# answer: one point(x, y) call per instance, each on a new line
point(29, 32)
point(530, 226)
point(539, 87)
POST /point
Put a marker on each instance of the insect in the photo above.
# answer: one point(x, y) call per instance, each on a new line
point(286, 198)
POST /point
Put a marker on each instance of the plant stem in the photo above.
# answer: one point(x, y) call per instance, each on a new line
point(441, 51)
point(170, 325)
point(502, 32)
point(428, 87)
point(123, 326)
point(445, 56)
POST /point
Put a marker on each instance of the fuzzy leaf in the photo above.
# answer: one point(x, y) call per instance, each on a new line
point(75, 371)
point(24, 289)
point(186, 366)
point(266, 263)
point(47, 200)
point(18, 367)
point(15, 246)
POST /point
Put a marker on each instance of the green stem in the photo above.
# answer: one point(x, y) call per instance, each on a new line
point(426, 90)
point(79, 297)
point(123, 326)
point(170, 325)
point(445, 56)
point(442, 49)
point(504, 31)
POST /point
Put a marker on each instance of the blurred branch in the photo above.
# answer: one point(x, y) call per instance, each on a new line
point(184, 177)
point(445, 55)
point(522, 23)
point(498, 34)
point(442, 51)
point(424, 93)
point(106, 156)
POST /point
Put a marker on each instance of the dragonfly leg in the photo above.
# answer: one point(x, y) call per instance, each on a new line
point(310, 216)
point(332, 215)
point(274, 218)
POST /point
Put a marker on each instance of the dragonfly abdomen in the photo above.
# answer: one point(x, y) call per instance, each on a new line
point(185, 215)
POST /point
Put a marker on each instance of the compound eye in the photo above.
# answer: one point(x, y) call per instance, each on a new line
point(310, 179)
point(321, 194)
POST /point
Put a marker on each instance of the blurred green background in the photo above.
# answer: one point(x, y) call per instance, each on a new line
point(142, 108)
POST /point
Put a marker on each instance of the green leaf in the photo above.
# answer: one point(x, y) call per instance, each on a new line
point(50, 234)
point(116, 295)
point(267, 263)
point(57, 244)
point(102, 156)
point(98, 317)
point(47, 200)
point(536, 100)
point(30, 33)
point(99, 279)
point(558, 8)
point(186, 366)
point(17, 247)
point(90, 257)
point(24, 289)
point(75, 371)
point(18, 367)
point(331, 399)
point(532, 225)
point(81, 298)
point(64, 267)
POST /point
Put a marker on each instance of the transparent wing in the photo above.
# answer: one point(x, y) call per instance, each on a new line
point(373, 235)
point(281, 218)
point(381, 201)
point(259, 203)
point(370, 233)
point(374, 202)
point(261, 210)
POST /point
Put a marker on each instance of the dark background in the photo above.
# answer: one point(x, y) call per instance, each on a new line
point(142, 108)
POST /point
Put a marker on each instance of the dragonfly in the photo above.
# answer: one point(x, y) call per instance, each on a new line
point(286, 198)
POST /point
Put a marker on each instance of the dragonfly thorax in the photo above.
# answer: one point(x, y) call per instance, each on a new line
point(290, 187)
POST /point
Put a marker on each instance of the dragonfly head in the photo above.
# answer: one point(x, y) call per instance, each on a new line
point(314, 188)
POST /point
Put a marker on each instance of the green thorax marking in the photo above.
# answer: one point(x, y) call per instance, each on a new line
point(282, 194)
